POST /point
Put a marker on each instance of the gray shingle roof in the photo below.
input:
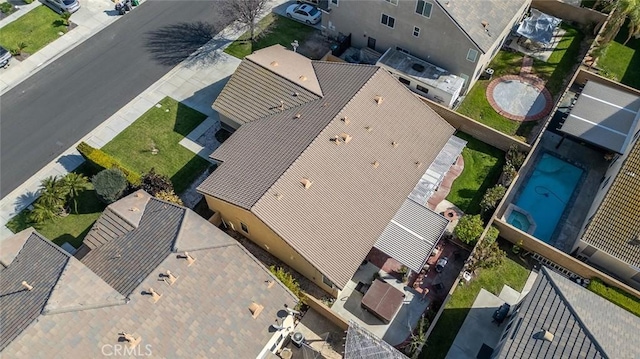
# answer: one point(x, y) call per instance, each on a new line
point(469, 16)
point(108, 226)
point(125, 261)
point(584, 325)
point(259, 152)
point(40, 263)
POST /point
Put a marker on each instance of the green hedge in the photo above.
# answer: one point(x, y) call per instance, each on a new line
point(615, 296)
point(101, 161)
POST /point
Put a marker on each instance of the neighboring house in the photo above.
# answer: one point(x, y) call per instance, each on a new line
point(610, 236)
point(326, 155)
point(461, 36)
point(560, 319)
point(216, 301)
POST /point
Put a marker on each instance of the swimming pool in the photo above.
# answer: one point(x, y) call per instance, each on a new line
point(545, 195)
point(519, 220)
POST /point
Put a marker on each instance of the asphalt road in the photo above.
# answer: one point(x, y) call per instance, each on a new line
point(56, 107)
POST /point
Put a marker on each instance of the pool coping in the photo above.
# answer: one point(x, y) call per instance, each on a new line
point(532, 223)
point(530, 79)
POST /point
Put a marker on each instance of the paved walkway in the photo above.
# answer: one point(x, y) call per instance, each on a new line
point(93, 16)
point(196, 82)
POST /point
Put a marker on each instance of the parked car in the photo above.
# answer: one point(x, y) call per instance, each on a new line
point(5, 56)
point(61, 6)
point(441, 263)
point(305, 13)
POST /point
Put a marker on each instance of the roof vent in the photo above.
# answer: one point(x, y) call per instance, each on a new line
point(545, 335)
point(134, 209)
point(378, 99)
point(278, 196)
point(298, 115)
point(274, 63)
point(336, 139)
point(168, 277)
point(270, 283)
point(26, 285)
point(345, 120)
point(133, 341)
point(154, 295)
point(295, 94)
point(346, 137)
point(368, 128)
point(281, 105)
point(306, 183)
point(418, 164)
point(394, 144)
point(255, 309)
point(139, 194)
point(485, 23)
point(417, 67)
point(375, 164)
point(188, 257)
point(302, 78)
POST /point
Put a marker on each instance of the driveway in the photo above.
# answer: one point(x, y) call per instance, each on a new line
point(282, 10)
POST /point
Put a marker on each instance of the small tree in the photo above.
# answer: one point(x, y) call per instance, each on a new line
point(52, 194)
point(41, 213)
point(487, 255)
point(492, 234)
point(247, 13)
point(65, 18)
point(21, 46)
point(289, 281)
point(169, 196)
point(74, 184)
point(109, 185)
point(153, 183)
point(508, 174)
point(491, 199)
point(469, 229)
point(515, 157)
point(418, 338)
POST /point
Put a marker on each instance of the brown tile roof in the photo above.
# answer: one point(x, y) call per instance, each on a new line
point(335, 222)
point(615, 227)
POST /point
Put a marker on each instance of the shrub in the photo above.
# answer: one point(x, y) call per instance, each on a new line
point(491, 199)
point(6, 8)
point(487, 255)
point(615, 295)
point(508, 174)
point(153, 183)
point(515, 157)
point(27, 1)
point(289, 281)
point(109, 184)
point(169, 196)
point(492, 234)
point(101, 161)
point(469, 229)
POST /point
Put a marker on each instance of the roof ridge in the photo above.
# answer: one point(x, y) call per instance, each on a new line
point(459, 26)
point(50, 243)
point(569, 305)
point(286, 79)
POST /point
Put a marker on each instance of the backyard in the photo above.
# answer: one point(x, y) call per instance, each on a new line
point(35, 29)
point(161, 128)
point(513, 272)
point(554, 72)
point(622, 62)
point(273, 29)
point(482, 168)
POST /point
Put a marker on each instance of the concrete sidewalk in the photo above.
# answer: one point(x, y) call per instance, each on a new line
point(196, 82)
point(93, 16)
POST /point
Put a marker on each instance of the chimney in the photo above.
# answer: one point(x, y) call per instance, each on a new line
point(394, 144)
point(306, 183)
point(154, 295)
point(346, 137)
point(345, 120)
point(188, 257)
point(26, 285)
point(133, 341)
point(378, 99)
point(169, 277)
point(375, 164)
point(255, 309)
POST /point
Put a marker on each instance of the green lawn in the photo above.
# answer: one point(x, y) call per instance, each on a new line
point(513, 272)
point(558, 67)
point(36, 28)
point(72, 228)
point(620, 62)
point(616, 296)
point(482, 167)
point(273, 29)
point(164, 129)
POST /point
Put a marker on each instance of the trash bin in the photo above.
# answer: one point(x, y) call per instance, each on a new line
point(135, 2)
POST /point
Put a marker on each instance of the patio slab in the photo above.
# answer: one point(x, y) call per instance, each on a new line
point(321, 335)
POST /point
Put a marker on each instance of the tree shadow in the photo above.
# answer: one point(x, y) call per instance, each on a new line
point(195, 43)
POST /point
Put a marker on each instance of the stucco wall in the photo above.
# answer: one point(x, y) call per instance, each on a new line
point(326, 312)
point(228, 121)
point(266, 238)
point(568, 12)
point(476, 129)
point(582, 76)
point(440, 42)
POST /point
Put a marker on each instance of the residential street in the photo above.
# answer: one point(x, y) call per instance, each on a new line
point(50, 111)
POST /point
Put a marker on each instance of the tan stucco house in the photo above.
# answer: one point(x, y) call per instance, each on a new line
point(324, 156)
point(460, 36)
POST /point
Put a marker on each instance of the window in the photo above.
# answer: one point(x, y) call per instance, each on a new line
point(394, 2)
point(424, 8)
point(422, 89)
point(334, 2)
point(465, 77)
point(404, 81)
point(606, 182)
point(388, 20)
point(402, 50)
point(416, 31)
point(472, 55)
point(244, 227)
point(326, 281)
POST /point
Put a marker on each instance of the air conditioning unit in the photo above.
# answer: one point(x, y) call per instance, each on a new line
point(298, 339)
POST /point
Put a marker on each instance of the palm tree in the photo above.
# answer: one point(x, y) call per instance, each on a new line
point(74, 184)
point(634, 21)
point(41, 213)
point(52, 193)
point(622, 10)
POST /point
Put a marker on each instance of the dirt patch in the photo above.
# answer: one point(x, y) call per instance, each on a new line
point(315, 46)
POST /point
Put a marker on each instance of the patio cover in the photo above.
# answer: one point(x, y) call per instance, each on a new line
point(383, 300)
point(539, 26)
point(412, 234)
point(604, 116)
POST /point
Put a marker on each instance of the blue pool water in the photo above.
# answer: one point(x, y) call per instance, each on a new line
point(546, 194)
point(519, 221)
